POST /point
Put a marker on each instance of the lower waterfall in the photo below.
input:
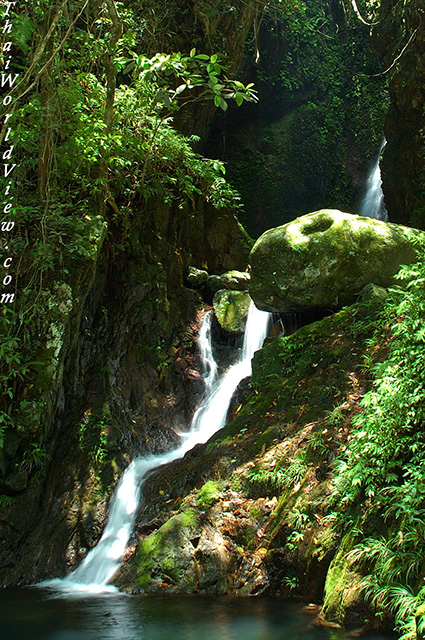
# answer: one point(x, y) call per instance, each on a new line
point(103, 560)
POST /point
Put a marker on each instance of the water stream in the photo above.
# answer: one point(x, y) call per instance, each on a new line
point(100, 564)
point(34, 614)
point(372, 205)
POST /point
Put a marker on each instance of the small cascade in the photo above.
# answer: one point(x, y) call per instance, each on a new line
point(372, 205)
point(102, 561)
point(205, 346)
point(211, 415)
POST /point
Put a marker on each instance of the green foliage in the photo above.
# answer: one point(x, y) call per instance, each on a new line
point(90, 165)
point(154, 78)
point(6, 502)
point(146, 156)
point(291, 582)
point(383, 470)
point(279, 478)
point(35, 457)
point(94, 439)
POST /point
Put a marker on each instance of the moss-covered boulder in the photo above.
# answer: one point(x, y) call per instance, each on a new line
point(231, 310)
point(323, 260)
point(343, 596)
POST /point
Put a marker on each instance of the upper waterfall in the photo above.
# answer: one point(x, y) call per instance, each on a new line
point(372, 205)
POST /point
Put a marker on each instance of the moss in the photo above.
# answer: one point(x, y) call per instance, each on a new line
point(343, 594)
point(231, 309)
point(322, 545)
point(160, 549)
point(209, 493)
point(256, 512)
point(264, 439)
point(304, 266)
point(249, 537)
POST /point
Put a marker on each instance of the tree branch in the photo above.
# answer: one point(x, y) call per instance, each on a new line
point(117, 30)
point(394, 62)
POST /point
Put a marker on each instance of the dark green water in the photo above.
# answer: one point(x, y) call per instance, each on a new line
point(32, 614)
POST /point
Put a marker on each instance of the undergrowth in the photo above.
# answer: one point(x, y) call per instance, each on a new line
point(383, 468)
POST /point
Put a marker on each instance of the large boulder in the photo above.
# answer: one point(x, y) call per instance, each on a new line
point(231, 310)
point(323, 260)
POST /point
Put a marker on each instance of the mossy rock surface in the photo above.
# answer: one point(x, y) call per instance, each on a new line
point(323, 260)
point(343, 596)
point(231, 310)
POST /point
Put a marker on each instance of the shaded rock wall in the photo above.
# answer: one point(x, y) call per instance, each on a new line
point(310, 140)
point(122, 379)
point(399, 38)
point(212, 26)
point(124, 375)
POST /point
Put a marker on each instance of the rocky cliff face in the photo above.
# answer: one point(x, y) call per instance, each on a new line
point(212, 26)
point(399, 38)
point(118, 377)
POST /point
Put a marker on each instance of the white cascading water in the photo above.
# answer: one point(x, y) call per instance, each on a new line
point(100, 564)
point(205, 347)
point(372, 205)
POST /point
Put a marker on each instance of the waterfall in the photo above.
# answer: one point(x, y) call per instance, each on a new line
point(205, 346)
point(100, 564)
point(372, 205)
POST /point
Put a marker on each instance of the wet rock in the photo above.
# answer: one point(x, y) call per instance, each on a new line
point(16, 481)
point(234, 280)
point(324, 259)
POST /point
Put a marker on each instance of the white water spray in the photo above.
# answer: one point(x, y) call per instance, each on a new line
point(102, 561)
point(372, 205)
